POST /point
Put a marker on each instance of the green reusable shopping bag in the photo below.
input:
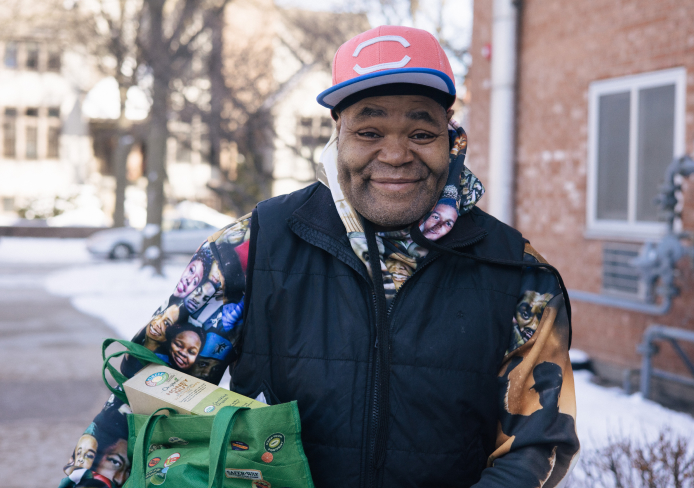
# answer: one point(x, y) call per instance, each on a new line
point(237, 447)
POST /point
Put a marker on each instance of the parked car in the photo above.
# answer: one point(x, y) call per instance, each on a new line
point(178, 236)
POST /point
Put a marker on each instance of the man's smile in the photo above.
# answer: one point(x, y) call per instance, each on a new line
point(394, 184)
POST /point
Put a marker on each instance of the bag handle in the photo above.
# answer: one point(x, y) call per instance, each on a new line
point(135, 350)
point(219, 439)
point(137, 473)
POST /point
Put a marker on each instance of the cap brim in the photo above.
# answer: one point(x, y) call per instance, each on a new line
point(419, 76)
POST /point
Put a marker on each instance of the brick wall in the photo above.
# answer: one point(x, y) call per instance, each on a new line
point(564, 46)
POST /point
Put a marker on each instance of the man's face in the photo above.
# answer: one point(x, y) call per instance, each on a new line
point(115, 465)
point(85, 451)
point(393, 157)
point(185, 348)
point(200, 296)
point(440, 222)
point(205, 367)
point(192, 276)
point(215, 275)
point(156, 330)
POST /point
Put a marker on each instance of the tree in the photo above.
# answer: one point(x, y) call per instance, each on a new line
point(247, 101)
point(160, 46)
point(173, 42)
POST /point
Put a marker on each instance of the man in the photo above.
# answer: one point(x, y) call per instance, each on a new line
point(421, 379)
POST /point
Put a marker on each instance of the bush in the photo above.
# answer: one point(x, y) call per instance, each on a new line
point(667, 462)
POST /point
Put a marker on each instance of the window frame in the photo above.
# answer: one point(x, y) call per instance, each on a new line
point(15, 59)
point(630, 229)
point(6, 118)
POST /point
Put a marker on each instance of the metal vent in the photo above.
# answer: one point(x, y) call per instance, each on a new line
point(619, 278)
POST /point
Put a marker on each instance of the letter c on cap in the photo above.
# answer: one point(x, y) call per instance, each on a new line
point(376, 67)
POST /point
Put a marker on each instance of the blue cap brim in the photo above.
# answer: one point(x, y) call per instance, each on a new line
point(419, 76)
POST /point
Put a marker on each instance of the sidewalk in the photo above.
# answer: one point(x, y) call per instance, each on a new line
point(50, 359)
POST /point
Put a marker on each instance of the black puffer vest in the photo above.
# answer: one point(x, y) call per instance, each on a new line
point(310, 336)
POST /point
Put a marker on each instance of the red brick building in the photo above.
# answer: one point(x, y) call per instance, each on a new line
point(604, 100)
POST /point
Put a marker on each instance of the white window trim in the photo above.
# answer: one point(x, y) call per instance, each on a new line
point(630, 230)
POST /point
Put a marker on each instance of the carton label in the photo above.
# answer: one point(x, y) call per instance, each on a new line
point(158, 386)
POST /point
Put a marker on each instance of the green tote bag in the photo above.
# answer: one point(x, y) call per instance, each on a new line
point(236, 448)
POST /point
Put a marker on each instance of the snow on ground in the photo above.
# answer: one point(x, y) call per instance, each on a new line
point(43, 250)
point(606, 414)
point(122, 294)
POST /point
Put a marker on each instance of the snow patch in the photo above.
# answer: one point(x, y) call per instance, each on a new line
point(152, 252)
point(124, 295)
point(151, 230)
point(607, 414)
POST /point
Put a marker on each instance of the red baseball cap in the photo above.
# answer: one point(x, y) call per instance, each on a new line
point(386, 55)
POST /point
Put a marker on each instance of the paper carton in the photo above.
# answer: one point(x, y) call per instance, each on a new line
point(158, 386)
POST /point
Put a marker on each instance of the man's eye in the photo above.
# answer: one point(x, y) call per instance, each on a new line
point(368, 134)
point(422, 136)
point(115, 462)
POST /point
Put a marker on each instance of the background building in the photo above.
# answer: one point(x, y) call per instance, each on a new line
point(59, 116)
point(604, 101)
point(45, 140)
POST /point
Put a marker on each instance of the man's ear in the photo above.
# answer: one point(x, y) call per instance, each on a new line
point(449, 114)
point(338, 124)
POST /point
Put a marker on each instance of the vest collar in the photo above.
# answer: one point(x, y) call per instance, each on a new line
point(319, 212)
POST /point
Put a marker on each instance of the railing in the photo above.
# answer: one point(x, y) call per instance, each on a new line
point(648, 348)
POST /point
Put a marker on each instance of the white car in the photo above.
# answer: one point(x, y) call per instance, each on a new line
point(178, 236)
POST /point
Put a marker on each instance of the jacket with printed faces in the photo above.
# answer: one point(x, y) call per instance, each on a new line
point(447, 368)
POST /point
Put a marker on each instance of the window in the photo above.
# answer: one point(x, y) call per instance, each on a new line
point(53, 145)
point(32, 139)
point(53, 63)
point(10, 54)
point(9, 133)
point(636, 128)
point(32, 61)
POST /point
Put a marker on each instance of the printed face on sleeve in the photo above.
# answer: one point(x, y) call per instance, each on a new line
point(85, 452)
point(185, 348)
point(114, 464)
point(440, 222)
point(215, 276)
point(200, 296)
point(207, 368)
point(191, 278)
point(156, 329)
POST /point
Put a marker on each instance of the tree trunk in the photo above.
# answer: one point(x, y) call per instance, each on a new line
point(119, 161)
point(156, 140)
point(217, 88)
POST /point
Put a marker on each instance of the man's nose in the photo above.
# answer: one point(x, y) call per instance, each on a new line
point(395, 151)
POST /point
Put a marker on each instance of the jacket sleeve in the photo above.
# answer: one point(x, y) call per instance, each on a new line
point(194, 331)
point(536, 442)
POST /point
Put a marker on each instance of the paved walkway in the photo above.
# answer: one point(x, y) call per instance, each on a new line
point(50, 380)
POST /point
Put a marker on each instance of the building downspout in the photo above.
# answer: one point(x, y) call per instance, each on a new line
point(502, 119)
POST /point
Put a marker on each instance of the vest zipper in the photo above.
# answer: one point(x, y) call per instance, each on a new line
point(377, 452)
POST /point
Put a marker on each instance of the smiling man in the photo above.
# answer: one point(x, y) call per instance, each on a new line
point(387, 304)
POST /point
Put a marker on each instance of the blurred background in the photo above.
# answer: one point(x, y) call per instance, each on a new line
point(132, 129)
